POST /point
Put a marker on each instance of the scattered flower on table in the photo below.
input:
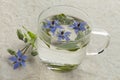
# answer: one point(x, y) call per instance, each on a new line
point(78, 26)
point(18, 60)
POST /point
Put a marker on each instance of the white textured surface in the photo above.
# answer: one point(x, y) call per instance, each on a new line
point(15, 13)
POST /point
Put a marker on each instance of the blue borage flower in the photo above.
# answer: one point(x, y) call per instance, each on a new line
point(63, 36)
point(52, 25)
point(18, 60)
point(78, 26)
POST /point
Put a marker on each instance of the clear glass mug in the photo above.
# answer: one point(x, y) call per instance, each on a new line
point(94, 42)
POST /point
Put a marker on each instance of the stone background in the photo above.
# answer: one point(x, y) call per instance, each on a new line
point(15, 13)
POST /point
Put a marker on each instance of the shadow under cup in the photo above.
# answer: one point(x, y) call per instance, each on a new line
point(57, 56)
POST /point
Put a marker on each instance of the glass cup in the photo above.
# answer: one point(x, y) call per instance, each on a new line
point(66, 56)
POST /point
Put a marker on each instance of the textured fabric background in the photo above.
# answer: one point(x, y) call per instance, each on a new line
point(15, 13)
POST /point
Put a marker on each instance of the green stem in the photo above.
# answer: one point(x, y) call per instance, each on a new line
point(26, 48)
point(23, 48)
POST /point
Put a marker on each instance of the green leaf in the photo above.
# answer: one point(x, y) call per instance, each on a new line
point(69, 21)
point(60, 17)
point(34, 53)
point(83, 40)
point(33, 38)
point(44, 23)
point(32, 35)
point(88, 29)
point(63, 68)
point(79, 35)
point(12, 52)
point(32, 41)
point(20, 34)
point(63, 19)
point(68, 46)
point(25, 40)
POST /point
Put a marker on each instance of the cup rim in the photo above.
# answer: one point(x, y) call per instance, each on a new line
point(83, 12)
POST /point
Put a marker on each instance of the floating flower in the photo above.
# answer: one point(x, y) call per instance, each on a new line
point(52, 25)
point(18, 60)
point(78, 26)
point(63, 36)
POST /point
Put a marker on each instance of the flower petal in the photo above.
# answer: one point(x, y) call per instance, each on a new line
point(13, 58)
point(16, 65)
point(56, 22)
point(67, 38)
point(82, 28)
point(59, 38)
point(75, 23)
point(76, 31)
point(60, 27)
point(48, 22)
point(19, 53)
point(23, 64)
point(53, 30)
point(47, 26)
point(24, 57)
point(71, 26)
point(83, 24)
point(67, 33)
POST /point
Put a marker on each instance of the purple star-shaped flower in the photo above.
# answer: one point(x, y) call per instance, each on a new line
point(78, 26)
point(52, 25)
point(63, 35)
point(18, 60)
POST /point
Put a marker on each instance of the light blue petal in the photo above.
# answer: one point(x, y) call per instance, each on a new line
point(67, 33)
point(59, 38)
point(60, 27)
point(19, 53)
point(23, 64)
point(14, 59)
point(76, 31)
point(53, 30)
point(47, 26)
point(56, 22)
point(71, 26)
point(24, 57)
point(82, 24)
point(48, 22)
point(75, 23)
point(67, 38)
point(16, 65)
point(82, 28)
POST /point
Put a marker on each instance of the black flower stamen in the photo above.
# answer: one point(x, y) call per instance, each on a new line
point(19, 59)
point(62, 32)
point(53, 22)
point(78, 25)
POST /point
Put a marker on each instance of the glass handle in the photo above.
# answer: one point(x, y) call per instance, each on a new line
point(99, 41)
